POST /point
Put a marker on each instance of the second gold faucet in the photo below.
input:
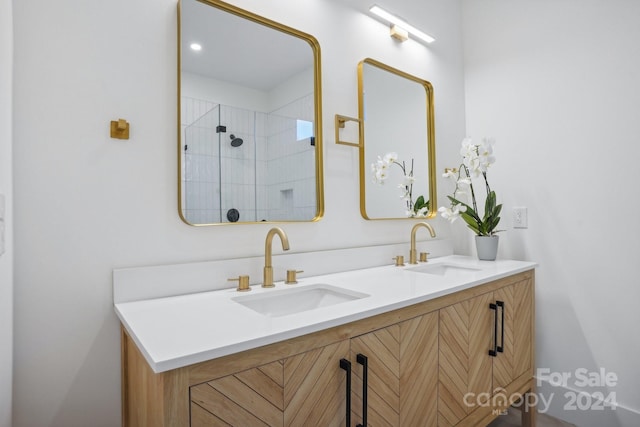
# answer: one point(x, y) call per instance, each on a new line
point(413, 258)
point(267, 281)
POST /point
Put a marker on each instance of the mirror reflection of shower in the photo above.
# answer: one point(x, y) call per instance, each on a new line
point(250, 163)
point(235, 141)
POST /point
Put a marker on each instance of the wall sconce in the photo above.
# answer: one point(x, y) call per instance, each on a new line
point(399, 33)
point(400, 29)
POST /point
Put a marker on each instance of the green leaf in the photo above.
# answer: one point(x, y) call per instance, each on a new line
point(489, 205)
point(420, 203)
point(472, 223)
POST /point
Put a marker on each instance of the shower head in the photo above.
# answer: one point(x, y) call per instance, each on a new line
point(235, 142)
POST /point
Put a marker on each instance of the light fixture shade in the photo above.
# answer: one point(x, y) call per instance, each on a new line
point(391, 18)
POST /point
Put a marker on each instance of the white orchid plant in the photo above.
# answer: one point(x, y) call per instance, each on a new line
point(476, 160)
point(380, 169)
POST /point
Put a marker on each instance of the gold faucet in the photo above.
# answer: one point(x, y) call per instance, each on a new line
point(412, 252)
point(268, 268)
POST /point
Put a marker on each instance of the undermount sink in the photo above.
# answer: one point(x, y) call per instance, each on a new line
point(296, 300)
point(445, 269)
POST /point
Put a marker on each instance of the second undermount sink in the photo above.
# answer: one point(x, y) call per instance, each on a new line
point(296, 300)
point(445, 269)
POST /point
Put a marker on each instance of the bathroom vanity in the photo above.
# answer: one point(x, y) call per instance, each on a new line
point(443, 343)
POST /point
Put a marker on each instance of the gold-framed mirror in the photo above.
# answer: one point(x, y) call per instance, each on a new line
point(250, 130)
point(397, 146)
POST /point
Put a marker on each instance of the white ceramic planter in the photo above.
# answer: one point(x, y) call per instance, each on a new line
point(487, 247)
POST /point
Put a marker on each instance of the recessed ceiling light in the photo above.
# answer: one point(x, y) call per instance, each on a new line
point(196, 46)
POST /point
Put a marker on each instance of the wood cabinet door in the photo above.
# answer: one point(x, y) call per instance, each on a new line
point(516, 357)
point(308, 389)
point(402, 374)
point(468, 376)
point(249, 398)
point(315, 387)
point(465, 374)
point(419, 371)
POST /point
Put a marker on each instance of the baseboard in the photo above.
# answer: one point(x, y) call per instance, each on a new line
point(581, 408)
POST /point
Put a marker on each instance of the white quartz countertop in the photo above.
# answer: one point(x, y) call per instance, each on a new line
point(178, 331)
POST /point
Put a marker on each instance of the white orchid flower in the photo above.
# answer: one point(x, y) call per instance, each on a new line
point(474, 164)
point(485, 154)
point(380, 171)
point(464, 182)
point(404, 193)
point(489, 141)
point(450, 173)
point(380, 176)
point(408, 180)
point(422, 212)
point(391, 157)
point(452, 214)
point(477, 157)
point(459, 193)
point(467, 147)
point(446, 213)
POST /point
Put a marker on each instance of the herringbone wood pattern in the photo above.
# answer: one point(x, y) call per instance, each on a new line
point(315, 387)
point(466, 335)
point(250, 398)
point(516, 358)
point(303, 390)
point(419, 371)
point(403, 366)
point(465, 366)
point(382, 348)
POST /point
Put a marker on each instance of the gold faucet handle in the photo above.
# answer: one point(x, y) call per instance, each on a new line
point(243, 283)
point(291, 277)
point(423, 256)
point(399, 260)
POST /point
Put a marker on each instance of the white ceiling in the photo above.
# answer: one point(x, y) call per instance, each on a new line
point(237, 50)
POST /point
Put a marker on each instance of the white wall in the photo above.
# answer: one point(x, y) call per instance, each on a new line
point(86, 204)
point(6, 260)
point(219, 92)
point(556, 82)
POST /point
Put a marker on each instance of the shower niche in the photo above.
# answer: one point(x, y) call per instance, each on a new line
point(241, 165)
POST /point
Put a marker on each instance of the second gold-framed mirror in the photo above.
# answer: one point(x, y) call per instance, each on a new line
point(250, 134)
point(397, 146)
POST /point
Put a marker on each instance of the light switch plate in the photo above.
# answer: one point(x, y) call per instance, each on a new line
point(520, 217)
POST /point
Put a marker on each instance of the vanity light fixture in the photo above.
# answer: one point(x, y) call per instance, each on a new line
point(196, 47)
point(399, 33)
point(401, 26)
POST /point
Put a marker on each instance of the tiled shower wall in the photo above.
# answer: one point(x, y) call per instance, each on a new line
point(291, 173)
point(271, 176)
point(201, 177)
